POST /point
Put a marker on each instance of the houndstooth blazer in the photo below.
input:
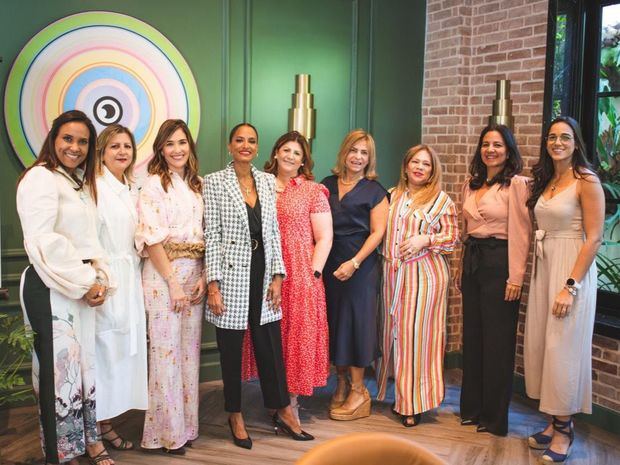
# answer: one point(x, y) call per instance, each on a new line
point(228, 246)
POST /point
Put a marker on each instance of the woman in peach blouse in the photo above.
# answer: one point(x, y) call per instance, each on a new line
point(496, 233)
point(170, 236)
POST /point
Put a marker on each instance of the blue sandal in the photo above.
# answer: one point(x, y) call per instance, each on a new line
point(565, 428)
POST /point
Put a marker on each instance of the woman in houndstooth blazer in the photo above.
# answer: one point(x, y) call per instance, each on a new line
point(244, 270)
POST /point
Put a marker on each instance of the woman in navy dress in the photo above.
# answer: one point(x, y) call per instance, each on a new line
point(359, 208)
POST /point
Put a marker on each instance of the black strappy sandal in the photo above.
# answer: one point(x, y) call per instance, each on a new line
point(565, 428)
point(100, 457)
point(124, 445)
point(410, 421)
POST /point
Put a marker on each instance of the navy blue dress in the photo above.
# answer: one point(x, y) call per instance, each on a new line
point(352, 304)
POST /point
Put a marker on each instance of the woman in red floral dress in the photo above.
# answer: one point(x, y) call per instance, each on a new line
point(305, 224)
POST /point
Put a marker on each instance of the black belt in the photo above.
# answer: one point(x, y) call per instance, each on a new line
point(474, 246)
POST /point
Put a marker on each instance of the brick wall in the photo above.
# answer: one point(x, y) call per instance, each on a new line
point(469, 45)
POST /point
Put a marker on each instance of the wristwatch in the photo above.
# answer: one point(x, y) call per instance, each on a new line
point(317, 274)
point(356, 264)
point(572, 286)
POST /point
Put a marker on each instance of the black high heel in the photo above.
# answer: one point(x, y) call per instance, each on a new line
point(245, 443)
point(278, 424)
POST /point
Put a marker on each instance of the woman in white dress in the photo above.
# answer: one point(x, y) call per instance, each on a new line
point(121, 324)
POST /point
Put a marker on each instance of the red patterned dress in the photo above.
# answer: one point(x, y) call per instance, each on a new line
point(304, 316)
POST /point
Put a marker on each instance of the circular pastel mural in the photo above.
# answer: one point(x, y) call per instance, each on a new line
point(113, 67)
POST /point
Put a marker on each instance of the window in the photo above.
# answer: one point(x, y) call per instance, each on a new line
point(586, 85)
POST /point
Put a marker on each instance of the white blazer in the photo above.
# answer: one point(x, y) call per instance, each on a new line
point(228, 249)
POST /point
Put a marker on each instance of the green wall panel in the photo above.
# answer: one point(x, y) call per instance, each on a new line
point(365, 58)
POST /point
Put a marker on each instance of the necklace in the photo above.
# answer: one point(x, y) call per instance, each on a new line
point(348, 183)
point(245, 190)
point(555, 184)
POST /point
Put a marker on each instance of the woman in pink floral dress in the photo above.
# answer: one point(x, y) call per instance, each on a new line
point(170, 235)
point(306, 229)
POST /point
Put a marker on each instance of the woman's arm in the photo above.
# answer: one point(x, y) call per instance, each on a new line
point(178, 300)
point(213, 244)
point(378, 225)
point(592, 201)
point(54, 257)
point(443, 242)
point(519, 236)
point(323, 233)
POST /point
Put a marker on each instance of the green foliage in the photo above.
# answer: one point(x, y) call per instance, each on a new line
point(15, 348)
point(608, 149)
point(608, 273)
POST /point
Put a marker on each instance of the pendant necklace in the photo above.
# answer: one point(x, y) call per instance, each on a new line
point(246, 191)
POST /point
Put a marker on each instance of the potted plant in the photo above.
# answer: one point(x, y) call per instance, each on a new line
point(15, 348)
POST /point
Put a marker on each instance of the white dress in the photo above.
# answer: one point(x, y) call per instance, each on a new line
point(121, 369)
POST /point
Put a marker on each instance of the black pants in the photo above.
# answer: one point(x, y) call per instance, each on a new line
point(267, 341)
point(489, 334)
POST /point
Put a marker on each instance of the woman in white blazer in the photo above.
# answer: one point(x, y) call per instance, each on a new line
point(244, 271)
point(120, 322)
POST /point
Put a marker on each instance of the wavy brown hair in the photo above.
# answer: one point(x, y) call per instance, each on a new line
point(432, 188)
point(49, 159)
point(271, 166)
point(370, 172)
point(544, 170)
point(158, 164)
point(104, 140)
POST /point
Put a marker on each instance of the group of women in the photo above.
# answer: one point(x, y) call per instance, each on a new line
point(292, 274)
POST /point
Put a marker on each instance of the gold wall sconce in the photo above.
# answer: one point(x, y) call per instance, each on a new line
point(302, 116)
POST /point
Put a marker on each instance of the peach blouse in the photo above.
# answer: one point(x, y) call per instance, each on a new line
point(501, 213)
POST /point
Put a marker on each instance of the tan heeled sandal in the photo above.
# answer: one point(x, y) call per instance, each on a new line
point(361, 410)
point(335, 402)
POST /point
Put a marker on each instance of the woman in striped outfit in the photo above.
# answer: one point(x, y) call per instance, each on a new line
point(422, 230)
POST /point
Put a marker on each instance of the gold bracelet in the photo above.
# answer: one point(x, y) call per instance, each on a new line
point(356, 264)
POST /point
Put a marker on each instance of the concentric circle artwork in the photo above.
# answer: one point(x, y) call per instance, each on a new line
point(113, 67)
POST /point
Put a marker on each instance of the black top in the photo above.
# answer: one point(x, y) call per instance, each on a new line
point(255, 220)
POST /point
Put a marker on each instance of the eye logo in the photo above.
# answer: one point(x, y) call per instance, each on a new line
point(113, 67)
point(107, 110)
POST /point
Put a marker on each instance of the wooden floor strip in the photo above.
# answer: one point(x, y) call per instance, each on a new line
point(440, 432)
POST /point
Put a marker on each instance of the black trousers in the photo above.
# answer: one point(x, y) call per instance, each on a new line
point(36, 296)
point(489, 334)
point(267, 341)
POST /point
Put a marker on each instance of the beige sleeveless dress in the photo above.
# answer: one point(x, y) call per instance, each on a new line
point(558, 351)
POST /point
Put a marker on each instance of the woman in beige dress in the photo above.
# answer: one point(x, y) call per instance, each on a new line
point(568, 205)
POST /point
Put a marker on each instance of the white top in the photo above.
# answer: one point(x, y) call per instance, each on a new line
point(59, 223)
point(120, 322)
point(172, 216)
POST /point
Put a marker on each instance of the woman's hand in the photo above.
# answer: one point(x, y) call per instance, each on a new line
point(562, 305)
point(96, 295)
point(409, 247)
point(458, 275)
point(214, 299)
point(178, 300)
point(274, 292)
point(199, 291)
point(345, 271)
point(513, 292)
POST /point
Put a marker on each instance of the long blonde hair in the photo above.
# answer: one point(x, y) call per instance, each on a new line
point(370, 172)
point(104, 139)
point(433, 186)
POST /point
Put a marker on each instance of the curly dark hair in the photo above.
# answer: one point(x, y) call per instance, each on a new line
point(513, 166)
point(544, 170)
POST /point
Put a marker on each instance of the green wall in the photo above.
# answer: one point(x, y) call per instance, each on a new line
point(365, 58)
